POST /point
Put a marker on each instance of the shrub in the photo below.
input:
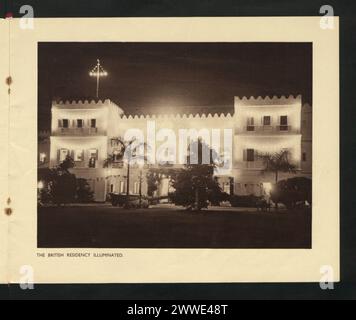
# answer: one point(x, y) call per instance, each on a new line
point(63, 188)
point(291, 191)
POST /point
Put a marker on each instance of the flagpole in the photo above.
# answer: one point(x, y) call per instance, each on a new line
point(98, 71)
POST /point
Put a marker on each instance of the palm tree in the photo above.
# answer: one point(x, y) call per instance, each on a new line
point(128, 152)
point(277, 162)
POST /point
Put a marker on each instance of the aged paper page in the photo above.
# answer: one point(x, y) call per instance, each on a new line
point(74, 265)
point(4, 109)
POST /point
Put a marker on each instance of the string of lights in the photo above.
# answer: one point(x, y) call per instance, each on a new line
point(98, 72)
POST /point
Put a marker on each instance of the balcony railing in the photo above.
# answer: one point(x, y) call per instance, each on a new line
point(84, 164)
point(78, 131)
point(117, 165)
point(269, 129)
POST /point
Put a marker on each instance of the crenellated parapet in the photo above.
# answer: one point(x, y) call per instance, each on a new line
point(82, 102)
point(268, 100)
point(178, 117)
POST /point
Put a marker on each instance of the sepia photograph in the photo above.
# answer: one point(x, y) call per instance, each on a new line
point(175, 145)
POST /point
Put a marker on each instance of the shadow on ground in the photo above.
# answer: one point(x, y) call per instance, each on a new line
point(111, 227)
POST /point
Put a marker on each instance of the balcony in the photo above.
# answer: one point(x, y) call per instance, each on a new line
point(78, 132)
point(279, 129)
point(117, 165)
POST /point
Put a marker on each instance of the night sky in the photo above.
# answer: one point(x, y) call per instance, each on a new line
point(150, 78)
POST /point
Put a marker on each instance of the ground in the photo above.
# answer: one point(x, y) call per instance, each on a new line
point(112, 227)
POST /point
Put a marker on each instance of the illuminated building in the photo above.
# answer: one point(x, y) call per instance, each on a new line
point(86, 131)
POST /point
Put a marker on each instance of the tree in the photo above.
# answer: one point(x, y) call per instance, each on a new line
point(62, 184)
point(277, 162)
point(84, 192)
point(127, 152)
point(291, 191)
point(153, 180)
point(66, 164)
point(216, 194)
point(195, 184)
point(59, 186)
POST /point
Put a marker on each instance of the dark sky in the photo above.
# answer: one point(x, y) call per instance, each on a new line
point(147, 78)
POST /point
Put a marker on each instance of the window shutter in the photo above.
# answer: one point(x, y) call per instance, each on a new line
point(244, 155)
point(58, 155)
point(250, 155)
point(60, 123)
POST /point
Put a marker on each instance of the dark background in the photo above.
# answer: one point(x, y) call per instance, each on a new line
point(346, 10)
point(171, 78)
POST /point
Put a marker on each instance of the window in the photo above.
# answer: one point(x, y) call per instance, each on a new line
point(283, 123)
point(266, 120)
point(42, 157)
point(93, 153)
point(111, 188)
point(226, 187)
point(122, 187)
point(114, 143)
point(93, 157)
point(116, 156)
point(65, 123)
point(250, 155)
point(93, 123)
point(78, 155)
point(63, 153)
point(80, 123)
point(232, 186)
point(250, 124)
point(304, 156)
point(136, 187)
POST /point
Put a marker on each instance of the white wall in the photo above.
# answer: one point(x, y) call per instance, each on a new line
point(264, 144)
point(274, 107)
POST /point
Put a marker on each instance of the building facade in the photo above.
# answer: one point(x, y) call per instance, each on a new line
point(87, 131)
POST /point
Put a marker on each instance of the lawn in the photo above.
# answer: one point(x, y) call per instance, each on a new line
point(111, 227)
